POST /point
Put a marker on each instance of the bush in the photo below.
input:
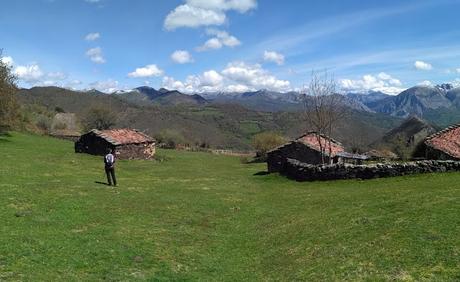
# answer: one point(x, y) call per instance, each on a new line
point(59, 110)
point(99, 118)
point(170, 138)
point(264, 142)
point(9, 114)
point(44, 123)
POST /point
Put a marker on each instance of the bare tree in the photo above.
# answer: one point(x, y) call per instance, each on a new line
point(324, 110)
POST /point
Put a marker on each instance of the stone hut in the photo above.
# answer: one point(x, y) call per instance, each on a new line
point(128, 143)
point(444, 145)
point(306, 149)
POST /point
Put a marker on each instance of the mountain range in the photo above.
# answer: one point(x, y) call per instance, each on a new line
point(438, 104)
point(213, 122)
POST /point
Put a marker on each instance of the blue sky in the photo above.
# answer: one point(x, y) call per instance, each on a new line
point(230, 45)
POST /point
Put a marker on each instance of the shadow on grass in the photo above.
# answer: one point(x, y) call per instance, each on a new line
point(4, 137)
point(102, 183)
point(261, 173)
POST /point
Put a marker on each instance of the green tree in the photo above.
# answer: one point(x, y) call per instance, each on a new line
point(170, 138)
point(9, 114)
point(265, 141)
point(99, 118)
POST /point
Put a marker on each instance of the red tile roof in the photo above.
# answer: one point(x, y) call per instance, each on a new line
point(123, 136)
point(447, 141)
point(311, 140)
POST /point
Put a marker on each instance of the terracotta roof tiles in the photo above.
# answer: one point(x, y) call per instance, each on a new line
point(446, 140)
point(123, 136)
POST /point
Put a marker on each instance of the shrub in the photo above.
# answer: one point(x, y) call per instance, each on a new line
point(170, 138)
point(99, 118)
point(264, 142)
point(44, 123)
point(9, 114)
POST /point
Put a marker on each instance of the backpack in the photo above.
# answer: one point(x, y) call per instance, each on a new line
point(109, 159)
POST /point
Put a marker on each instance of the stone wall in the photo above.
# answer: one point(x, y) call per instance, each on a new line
point(136, 151)
point(299, 171)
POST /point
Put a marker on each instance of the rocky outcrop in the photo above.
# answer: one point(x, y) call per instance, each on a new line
point(305, 172)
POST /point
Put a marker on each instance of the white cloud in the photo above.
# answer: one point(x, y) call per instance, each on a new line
point(106, 86)
point(7, 61)
point(189, 16)
point(221, 38)
point(31, 73)
point(425, 83)
point(383, 82)
point(56, 75)
point(271, 56)
point(196, 13)
point(92, 36)
point(95, 55)
point(241, 6)
point(211, 78)
point(181, 57)
point(420, 65)
point(210, 44)
point(236, 77)
point(254, 76)
point(147, 71)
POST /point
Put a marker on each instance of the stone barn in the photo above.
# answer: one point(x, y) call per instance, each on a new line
point(444, 145)
point(306, 149)
point(128, 143)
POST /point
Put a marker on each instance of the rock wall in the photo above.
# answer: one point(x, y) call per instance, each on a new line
point(299, 171)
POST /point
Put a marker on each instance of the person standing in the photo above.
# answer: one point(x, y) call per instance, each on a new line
point(109, 162)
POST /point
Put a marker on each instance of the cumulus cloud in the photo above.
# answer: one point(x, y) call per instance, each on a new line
point(241, 6)
point(254, 76)
point(271, 56)
point(425, 83)
point(235, 77)
point(421, 65)
point(7, 61)
point(189, 16)
point(30, 73)
point(196, 13)
point(56, 75)
point(92, 36)
point(221, 38)
point(382, 82)
point(181, 57)
point(147, 71)
point(95, 55)
point(106, 86)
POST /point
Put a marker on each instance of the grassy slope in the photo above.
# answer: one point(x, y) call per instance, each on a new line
point(203, 217)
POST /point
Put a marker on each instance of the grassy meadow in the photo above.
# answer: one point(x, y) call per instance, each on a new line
point(197, 216)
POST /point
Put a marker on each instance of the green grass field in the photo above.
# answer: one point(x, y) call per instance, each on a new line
point(198, 216)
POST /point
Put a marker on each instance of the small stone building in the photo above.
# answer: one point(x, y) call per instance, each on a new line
point(128, 143)
point(444, 145)
point(307, 149)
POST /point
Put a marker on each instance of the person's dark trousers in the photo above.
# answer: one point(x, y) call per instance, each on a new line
point(110, 172)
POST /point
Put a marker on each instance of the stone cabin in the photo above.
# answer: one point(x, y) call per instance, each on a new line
point(306, 149)
point(444, 145)
point(128, 143)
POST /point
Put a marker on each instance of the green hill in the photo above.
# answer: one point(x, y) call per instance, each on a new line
point(197, 216)
point(227, 126)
